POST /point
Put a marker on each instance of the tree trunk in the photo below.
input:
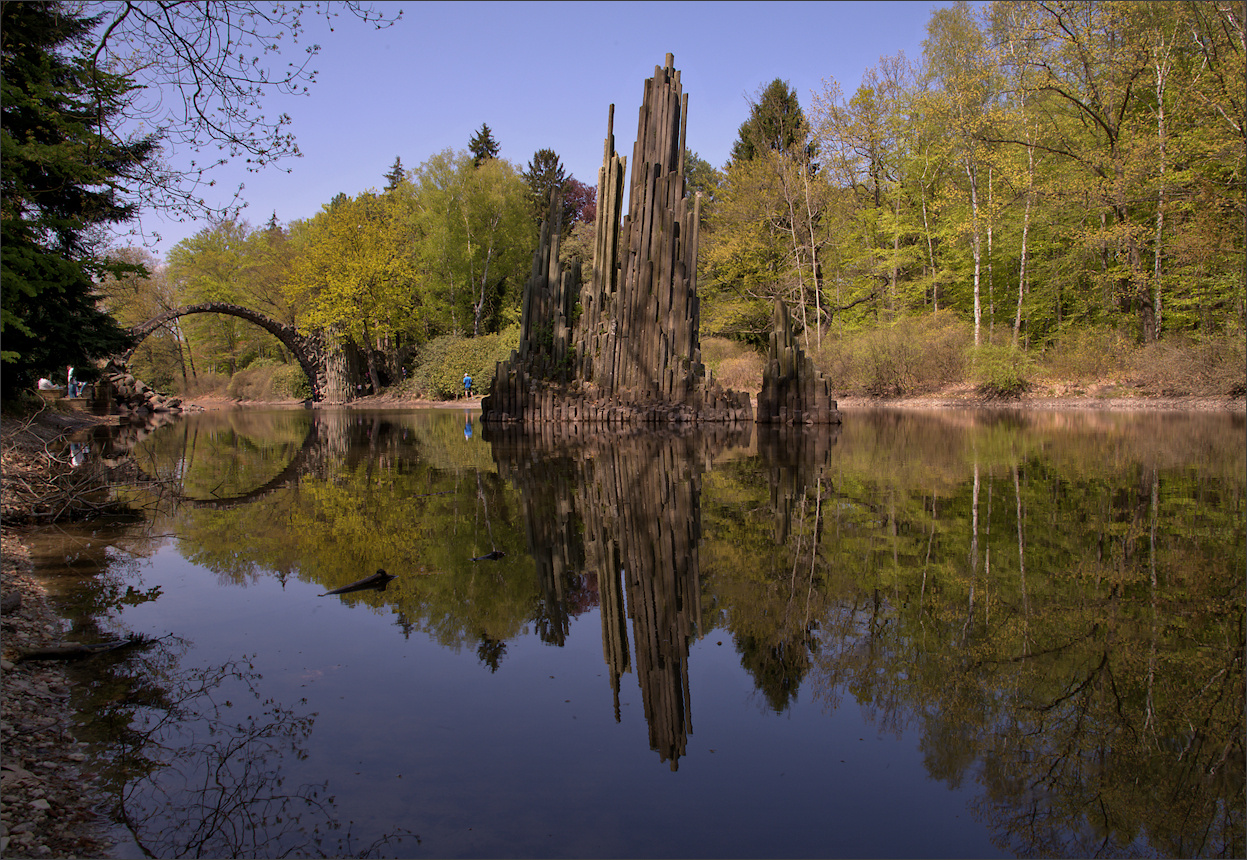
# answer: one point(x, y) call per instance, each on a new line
point(1026, 221)
point(976, 244)
point(1162, 71)
point(991, 283)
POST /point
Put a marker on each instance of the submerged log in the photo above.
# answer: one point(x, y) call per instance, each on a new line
point(377, 582)
point(80, 651)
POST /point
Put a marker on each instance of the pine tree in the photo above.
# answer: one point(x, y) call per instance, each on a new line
point(545, 173)
point(775, 122)
point(395, 175)
point(60, 178)
point(483, 146)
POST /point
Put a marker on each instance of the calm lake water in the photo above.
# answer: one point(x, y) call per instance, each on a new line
point(952, 634)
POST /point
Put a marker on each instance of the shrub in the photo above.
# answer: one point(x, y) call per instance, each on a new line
point(290, 382)
point(253, 382)
point(1000, 371)
point(1211, 365)
point(1088, 354)
point(443, 361)
point(912, 355)
point(734, 365)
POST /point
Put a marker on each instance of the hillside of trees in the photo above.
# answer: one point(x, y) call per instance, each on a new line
point(1051, 195)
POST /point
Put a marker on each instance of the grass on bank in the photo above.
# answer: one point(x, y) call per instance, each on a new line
point(913, 356)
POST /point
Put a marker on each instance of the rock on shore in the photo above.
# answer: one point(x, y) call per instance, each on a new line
point(49, 809)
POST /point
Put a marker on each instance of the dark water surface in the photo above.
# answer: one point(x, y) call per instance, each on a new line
point(940, 634)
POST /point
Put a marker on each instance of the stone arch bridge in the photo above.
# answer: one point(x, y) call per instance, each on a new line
point(308, 350)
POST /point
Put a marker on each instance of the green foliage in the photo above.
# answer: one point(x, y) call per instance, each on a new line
point(395, 175)
point(483, 146)
point(267, 379)
point(210, 267)
point(444, 360)
point(289, 381)
point(1002, 180)
point(476, 241)
point(1000, 371)
point(776, 123)
point(545, 173)
point(61, 179)
point(1093, 352)
point(913, 355)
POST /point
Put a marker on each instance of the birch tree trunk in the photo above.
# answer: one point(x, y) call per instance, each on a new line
point(1026, 220)
point(976, 245)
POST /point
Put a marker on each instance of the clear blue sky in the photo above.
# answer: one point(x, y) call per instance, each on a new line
point(543, 75)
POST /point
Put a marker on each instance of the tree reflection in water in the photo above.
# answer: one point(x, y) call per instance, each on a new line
point(1053, 604)
point(192, 760)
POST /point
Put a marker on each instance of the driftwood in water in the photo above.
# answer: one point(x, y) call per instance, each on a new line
point(80, 651)
point(377, 582)
point(490, 556)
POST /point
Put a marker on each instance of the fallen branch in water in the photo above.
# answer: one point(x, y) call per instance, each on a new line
point(80, 651)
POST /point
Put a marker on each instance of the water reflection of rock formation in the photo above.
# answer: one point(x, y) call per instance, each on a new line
point(776, 644)
point(626, 509)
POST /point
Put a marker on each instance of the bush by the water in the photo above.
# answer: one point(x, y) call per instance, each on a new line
point(443, 361)
point(268, 379)
point(1000, 371)
point(912, 355)
point(1210, 366)
point(734, 365)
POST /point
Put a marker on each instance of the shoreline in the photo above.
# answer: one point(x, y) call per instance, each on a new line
point(1107, 401)
point(50, 807)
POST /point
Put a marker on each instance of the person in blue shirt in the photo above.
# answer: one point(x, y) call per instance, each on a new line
point(467, 385)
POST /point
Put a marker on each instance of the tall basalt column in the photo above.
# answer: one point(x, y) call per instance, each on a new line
point(637, 349)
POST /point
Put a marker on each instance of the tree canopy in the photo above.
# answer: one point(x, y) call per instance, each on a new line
point(60, 186)
point(483, 146)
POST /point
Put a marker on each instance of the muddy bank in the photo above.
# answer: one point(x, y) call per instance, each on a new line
point(49, 804)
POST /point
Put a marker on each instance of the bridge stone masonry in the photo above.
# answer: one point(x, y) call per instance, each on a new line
point(308, 350)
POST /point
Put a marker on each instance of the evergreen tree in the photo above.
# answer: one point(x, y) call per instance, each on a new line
point(395, 175)
point(483, 146)
point(544, 174)
point(61, 178)
point(775, 122)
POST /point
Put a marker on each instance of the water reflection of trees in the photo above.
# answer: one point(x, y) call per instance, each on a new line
point(1052, 602)
point(193, 759)
point(1063, 628)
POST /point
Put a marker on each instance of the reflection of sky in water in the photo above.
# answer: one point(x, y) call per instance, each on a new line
point(529, 760)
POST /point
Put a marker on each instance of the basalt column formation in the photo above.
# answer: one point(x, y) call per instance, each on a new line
point(637, 351)
point(793, 390)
